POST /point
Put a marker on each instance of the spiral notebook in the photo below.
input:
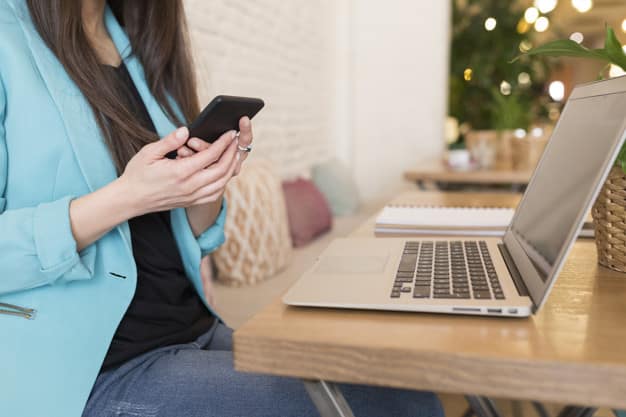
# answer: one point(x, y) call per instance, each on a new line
point(406, 220)
point(401, 220)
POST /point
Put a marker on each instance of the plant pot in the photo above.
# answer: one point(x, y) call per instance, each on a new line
point(527, 152)
point(491, 149)
point(504, 150)
point(609, 218)
point(482, 146)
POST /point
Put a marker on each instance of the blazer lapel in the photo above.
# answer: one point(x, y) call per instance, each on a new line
point(160, 120)
point(81, 127)
point(163, 126)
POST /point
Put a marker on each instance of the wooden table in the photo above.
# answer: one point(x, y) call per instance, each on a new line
point(573, 351)
point(436, 172)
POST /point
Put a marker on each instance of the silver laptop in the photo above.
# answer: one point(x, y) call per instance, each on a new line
point(502, 277)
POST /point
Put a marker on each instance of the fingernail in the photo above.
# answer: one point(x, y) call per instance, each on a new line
point(246, 121)
point(194, 142)
point(234, 135)
point(181, 133)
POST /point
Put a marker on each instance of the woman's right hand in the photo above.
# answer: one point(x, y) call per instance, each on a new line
point(151, 182)
point(156, 183)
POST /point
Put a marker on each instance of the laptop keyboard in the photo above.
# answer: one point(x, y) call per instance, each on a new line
point(447, 270)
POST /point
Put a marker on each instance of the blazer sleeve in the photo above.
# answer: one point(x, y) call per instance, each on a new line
point(213, 237)
point(208, 241)
point(37, 246)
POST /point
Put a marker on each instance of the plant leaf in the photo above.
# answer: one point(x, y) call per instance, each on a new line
point(621, 158)
point(622, 153)
point(567, 47)
point(613, 48)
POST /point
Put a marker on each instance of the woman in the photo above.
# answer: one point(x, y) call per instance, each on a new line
point(102, 236)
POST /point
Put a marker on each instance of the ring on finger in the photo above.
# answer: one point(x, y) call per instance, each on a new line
point(246, 149)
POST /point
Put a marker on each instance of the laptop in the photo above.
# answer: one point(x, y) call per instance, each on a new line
point(508, 277)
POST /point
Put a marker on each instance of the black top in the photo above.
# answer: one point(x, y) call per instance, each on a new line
point(166, 309)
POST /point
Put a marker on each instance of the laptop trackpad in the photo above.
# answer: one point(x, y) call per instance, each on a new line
point(352, 265)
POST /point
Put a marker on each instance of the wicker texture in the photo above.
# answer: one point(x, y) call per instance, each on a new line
point(609, 217)
point(258, 244)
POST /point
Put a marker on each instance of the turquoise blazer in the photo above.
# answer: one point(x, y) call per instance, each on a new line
point(51, 151)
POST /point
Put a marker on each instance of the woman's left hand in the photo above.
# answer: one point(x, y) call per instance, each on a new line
point(245, 139)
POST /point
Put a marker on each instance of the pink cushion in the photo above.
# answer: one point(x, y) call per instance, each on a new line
point(308, 211)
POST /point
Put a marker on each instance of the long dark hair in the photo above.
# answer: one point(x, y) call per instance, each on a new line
point(159, 39)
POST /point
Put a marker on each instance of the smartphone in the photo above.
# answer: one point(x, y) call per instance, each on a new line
point(221, 115)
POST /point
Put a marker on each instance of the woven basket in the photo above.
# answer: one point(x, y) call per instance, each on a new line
point(609, 218)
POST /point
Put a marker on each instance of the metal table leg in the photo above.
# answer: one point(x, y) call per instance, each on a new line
point(516, 408)
point(540, 409)
point(330, 402)
point(468, 413)
point(571, 411)
point(328, 399)
point(482, 406)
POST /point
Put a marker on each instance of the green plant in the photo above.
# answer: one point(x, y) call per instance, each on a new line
point(479, 62)
point(508, 112)
point(612, 53)
point(459, 144)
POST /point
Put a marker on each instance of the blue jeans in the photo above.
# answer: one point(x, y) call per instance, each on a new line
point(198, 380)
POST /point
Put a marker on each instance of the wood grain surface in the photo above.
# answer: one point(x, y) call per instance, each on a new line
point(573, 351)
point(437, 171)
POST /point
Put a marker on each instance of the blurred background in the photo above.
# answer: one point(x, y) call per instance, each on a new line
point(504, 111)
point(386, 86)
point(357, 80)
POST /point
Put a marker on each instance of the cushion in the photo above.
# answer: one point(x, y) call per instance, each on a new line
point(336, 183)
point(257, 243)
point(308, 211)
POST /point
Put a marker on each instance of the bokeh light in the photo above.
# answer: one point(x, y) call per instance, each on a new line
point(525, 46)
point(523, 79)
point(467, 74)
point(616, 71)
point(505, 88)
point(531, 14)
point(577, 37)
point(557, 90)
point(542, 24)
point(545, 6)
point(583, 6)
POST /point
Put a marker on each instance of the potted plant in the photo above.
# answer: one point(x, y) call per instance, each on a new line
point(609, 209)
point(477, 70)
point(508, 115)
point(493, 147)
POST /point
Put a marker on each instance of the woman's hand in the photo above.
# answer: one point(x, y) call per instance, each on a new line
point(155, 183)
point(244, 140)
point(151, 182)
point(202, 215)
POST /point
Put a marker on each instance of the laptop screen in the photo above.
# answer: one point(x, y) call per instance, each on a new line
point(569, 174)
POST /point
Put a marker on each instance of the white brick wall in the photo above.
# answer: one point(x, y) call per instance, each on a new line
point(362, 80)
point(281, 51)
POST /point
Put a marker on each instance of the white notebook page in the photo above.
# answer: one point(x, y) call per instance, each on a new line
point(445, 217)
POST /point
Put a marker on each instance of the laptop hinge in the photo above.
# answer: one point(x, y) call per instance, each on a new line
point(517, 278)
